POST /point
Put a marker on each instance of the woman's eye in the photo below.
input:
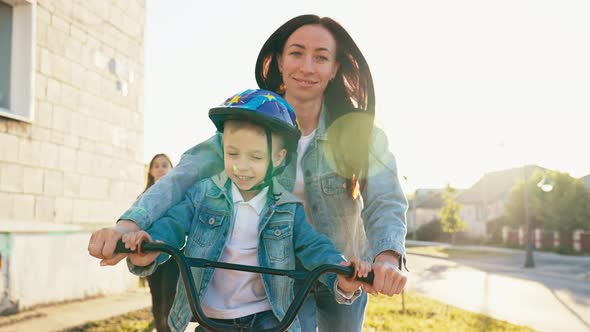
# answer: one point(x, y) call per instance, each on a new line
point(295, 53)
point(321, 58)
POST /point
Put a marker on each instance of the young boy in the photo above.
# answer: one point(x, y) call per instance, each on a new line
point(244, 216)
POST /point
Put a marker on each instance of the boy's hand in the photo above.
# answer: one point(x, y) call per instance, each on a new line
point(133, 241)
point(103, 242)
point(361, 269)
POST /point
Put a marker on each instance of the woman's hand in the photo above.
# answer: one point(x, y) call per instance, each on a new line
point(361, 269)
point(389, 280)
point(133, 241)
point(103, 242)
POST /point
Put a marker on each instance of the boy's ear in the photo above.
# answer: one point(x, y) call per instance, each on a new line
point(279, 157)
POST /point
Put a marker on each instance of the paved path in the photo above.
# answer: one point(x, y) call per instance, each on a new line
point(68, 315)
point(543, 301)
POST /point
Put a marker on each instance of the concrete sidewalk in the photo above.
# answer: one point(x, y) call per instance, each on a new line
point(59, 317)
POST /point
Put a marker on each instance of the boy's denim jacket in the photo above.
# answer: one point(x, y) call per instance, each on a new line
point(284, 235)
point(363, 227)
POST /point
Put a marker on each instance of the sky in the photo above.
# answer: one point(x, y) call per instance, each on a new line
point(462, 87)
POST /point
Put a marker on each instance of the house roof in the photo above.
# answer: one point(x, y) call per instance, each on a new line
point(494, 186)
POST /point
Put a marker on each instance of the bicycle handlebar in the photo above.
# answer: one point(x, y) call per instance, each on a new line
point(184, 263)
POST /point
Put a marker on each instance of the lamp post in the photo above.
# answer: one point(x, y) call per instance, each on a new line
point(546, 185)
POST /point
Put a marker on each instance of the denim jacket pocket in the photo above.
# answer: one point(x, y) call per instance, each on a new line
point(333, 184)
point(277, 241)
point(208, 228)
point(336, 199)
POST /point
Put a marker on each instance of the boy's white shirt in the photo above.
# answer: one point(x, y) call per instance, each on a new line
point(234, 294)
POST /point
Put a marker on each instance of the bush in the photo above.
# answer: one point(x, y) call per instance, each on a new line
point(432, 231)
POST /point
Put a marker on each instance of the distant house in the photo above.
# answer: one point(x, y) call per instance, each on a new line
point(486, 199)
point(586, 180)
point(71, 143)
point(425, 207)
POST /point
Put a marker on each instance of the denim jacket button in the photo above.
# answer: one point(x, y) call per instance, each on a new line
point(277, 232)
point(211, 221)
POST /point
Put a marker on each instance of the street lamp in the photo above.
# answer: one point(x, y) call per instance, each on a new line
point(546, 185)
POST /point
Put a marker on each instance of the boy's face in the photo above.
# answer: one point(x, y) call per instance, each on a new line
point(246, 153)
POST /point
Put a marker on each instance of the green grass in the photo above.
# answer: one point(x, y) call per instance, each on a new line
point(383, 314)
point(135, 321)
point(445, 252)
point(426, 315)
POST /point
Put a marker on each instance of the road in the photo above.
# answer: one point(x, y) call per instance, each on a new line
point(542, 301)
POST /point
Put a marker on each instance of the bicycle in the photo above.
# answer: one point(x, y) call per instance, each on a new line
point(185, 263)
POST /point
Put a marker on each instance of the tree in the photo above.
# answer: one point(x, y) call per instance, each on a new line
point(450, 217)
point(565, 208)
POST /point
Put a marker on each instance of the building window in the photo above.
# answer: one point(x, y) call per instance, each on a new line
point(17, 66)
point(5, 47)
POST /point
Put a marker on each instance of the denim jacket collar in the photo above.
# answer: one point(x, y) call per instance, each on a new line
point(321, 131)
point(222, 185)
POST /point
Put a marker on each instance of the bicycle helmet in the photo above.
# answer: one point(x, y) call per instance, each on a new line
point(261, 107)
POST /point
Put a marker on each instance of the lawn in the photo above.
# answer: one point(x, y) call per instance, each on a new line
point(423, 314)
point(383, 314)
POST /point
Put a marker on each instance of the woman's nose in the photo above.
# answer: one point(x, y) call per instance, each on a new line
point(307, 64)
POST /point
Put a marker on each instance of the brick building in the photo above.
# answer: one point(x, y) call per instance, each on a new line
point(71, 142)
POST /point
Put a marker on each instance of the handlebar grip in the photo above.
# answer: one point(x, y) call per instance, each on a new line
point(369, 279)
point(120, 248)
point(145, 247)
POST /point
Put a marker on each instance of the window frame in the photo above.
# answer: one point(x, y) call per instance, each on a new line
point(22, 61)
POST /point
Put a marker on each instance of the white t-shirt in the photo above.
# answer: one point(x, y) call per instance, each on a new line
point(299, 186)
point(233, 294)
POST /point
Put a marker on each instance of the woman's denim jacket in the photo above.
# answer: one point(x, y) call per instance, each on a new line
point(284, 235)
point(363, 227)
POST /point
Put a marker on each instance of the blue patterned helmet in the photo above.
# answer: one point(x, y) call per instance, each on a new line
point(261, 107)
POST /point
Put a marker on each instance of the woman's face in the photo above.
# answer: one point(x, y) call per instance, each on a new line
point(159, 168)
point(308, 63)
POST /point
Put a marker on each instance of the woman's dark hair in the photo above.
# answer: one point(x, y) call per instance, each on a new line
point(350, 91)
point(150, 178)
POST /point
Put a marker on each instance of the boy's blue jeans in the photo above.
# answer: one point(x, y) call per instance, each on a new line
point(260, 320)
point(321, 310)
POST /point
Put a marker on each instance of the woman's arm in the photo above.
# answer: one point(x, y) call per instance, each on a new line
point(201, 161)
point(385, 204)
point(384, 215)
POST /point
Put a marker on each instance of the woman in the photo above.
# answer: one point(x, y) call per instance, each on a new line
point(315, 63)
point(343, 170)
point(162, 282)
